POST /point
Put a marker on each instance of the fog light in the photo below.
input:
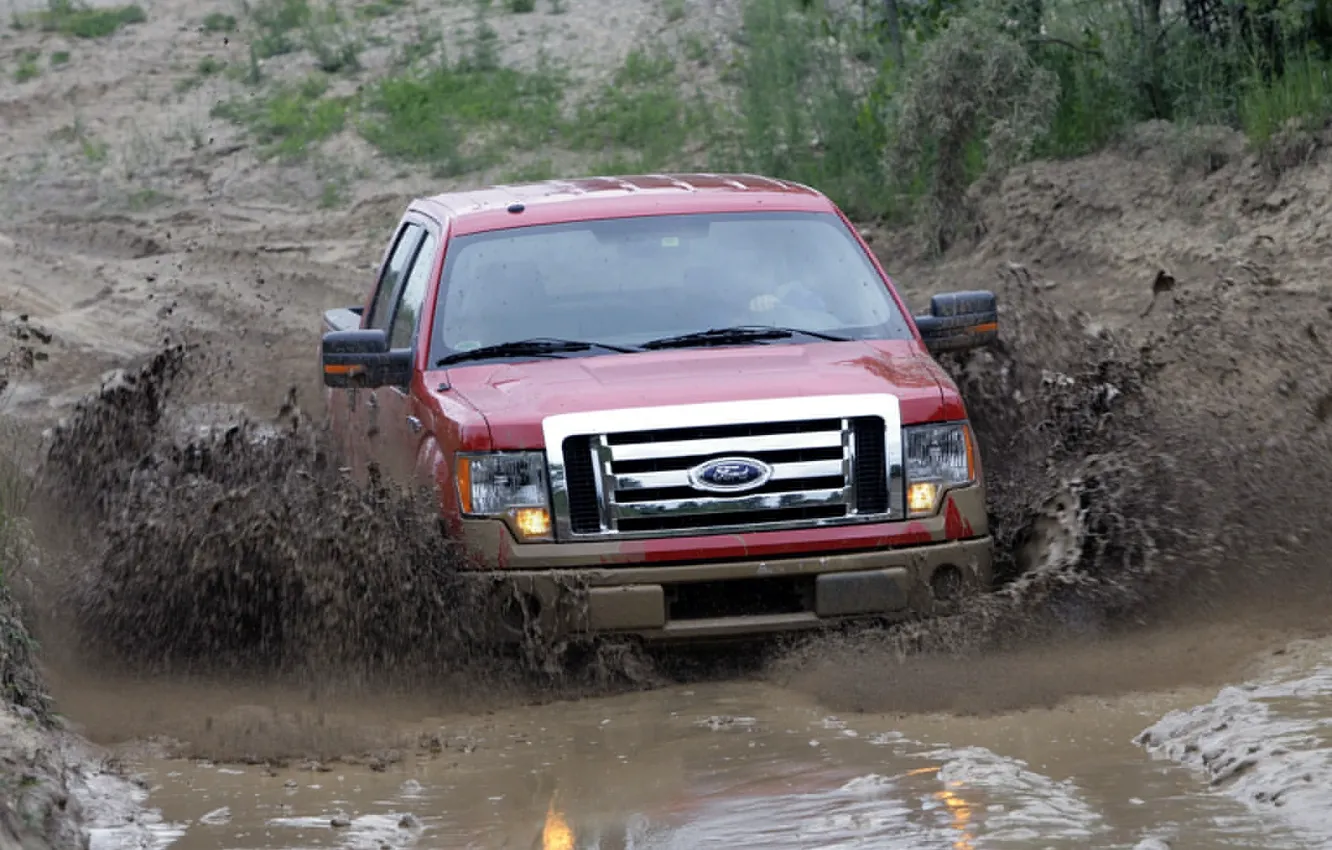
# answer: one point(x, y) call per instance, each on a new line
point(921, 496)
point(532, 522)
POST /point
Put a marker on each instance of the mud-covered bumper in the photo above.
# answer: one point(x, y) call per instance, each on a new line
point(890, 574)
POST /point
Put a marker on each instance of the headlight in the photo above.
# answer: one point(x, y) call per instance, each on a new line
point(509, 486)
point(938, 458)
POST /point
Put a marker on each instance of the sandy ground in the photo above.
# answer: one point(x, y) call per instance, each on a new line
point(179, 230)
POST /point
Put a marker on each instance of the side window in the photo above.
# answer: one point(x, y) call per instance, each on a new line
point(388, 283)
point(413, 295)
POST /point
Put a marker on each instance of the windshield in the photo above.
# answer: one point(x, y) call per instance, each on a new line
point(630, 281)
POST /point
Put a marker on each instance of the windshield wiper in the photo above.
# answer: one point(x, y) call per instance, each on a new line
point(536, 347)
point(737, 334)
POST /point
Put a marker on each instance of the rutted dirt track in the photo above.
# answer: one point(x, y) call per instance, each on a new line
point(1160, 403)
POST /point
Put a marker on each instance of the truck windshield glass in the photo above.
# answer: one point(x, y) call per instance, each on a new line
point(629, 281)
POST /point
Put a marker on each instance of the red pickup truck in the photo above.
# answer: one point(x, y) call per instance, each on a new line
point(673, 406)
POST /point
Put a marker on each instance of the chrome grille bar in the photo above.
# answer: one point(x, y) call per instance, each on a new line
point(727, 445)
point(805, 447)
point(706, 505)
point(680, 477)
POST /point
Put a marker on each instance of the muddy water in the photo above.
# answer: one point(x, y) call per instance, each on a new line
point(738, 764)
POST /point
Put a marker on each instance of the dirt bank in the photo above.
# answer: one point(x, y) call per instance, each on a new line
point(34, 799)
point(1154, 425)
point(54, 786)
point(1122, 453)
point(1155, 422)
point(35, 806)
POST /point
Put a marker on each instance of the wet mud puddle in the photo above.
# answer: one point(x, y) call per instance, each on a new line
point(753, 765)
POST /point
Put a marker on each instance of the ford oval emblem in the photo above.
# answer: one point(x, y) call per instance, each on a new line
point(730, 475)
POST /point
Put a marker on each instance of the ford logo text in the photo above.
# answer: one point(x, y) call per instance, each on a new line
point(730, 475)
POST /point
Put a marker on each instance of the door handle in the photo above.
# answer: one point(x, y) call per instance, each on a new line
point(414, 424)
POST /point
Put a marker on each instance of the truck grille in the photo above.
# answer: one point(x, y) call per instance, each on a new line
point(645, 482)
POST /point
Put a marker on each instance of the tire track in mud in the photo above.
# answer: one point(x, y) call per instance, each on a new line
point(249, 294)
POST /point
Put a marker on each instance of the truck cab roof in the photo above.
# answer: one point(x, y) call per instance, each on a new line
point(581, 199)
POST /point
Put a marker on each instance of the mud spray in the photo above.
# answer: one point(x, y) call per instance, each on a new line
point(1139, 488)
point(228, 543)
point(1131, 482)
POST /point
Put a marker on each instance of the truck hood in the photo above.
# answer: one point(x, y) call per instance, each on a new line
point(515, 397)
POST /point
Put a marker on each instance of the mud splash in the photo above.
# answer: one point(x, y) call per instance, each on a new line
point(240, 543)
point(1115, 490)
point(1133, 482)
point(1267, 743)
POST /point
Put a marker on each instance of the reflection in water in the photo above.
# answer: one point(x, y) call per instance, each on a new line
point(556, 834)
point(961, 813)
point(662, 773)
point(958, 808)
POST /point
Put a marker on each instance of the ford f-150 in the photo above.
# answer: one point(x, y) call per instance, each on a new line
point(673, 406)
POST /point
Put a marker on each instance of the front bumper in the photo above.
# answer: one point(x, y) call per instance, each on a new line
point(740, 598)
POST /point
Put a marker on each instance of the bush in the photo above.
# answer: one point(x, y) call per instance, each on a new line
point(974, 83)
point(885, 115)
point(67, 17)
point(799, 114)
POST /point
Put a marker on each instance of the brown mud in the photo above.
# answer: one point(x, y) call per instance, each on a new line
point(1154, 428)
point(240, 545)
point(1136, 474)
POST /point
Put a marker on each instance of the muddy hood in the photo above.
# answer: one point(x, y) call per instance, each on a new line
point(515, 397)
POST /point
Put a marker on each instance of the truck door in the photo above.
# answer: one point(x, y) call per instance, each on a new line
point(404, 419)
point(362, 414)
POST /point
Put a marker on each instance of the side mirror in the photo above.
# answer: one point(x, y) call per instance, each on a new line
point(960, 320)
point(362, 359)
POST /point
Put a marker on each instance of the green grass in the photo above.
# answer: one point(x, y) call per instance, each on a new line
point(811, 96)
point(639, 110)
point(291, 119)
point(275, 22)
point(798, 117)
point(287, 26)
point(422, 46)
point(219, 22)
point(334, 50)
point(94, 150)
point(140, 200)
point(531, 172)
point(1301, 98)
point(27, 66)
point(209, 65)
point(456, 117)
point(59, 58)
point(378, 9)
point(72, 18)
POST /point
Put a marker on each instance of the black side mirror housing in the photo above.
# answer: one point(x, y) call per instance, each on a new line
point(361, 359)
point(960, 320)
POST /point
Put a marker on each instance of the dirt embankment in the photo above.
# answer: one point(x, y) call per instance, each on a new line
point(35, 805)
point(1154, 423)
point(1145, 465)
point(1148, 472)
